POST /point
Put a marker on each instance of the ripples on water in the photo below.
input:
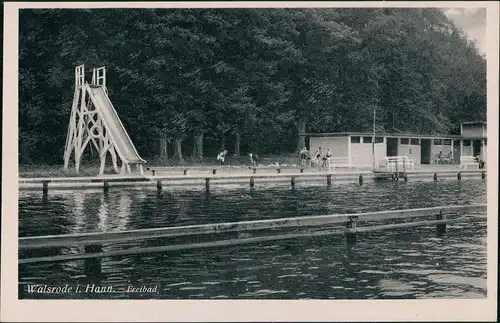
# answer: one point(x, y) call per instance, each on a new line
point(405, 263)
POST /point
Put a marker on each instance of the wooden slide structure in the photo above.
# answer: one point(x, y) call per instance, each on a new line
point(95, 121)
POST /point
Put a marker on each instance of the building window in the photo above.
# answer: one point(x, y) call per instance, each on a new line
point(415, 141)
point(405, 141)
point(447, 142)
point(466, 143)
point(355, 140)
point(379, 140)
point(367, 140)
point(438, 142)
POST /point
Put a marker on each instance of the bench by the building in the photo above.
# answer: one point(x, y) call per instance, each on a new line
point(338, 162)
point(468, 161)
point(400, 163)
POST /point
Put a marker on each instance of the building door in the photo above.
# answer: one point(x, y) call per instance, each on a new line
point(425, 151)
point(456, 152)
point(476, 147)
point(392, 147)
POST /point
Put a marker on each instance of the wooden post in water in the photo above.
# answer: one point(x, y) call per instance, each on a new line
point(45, 188)
point(351, 237)
point(106, 186)
point(214, 171)
point(329, 179)
point(483, 175)
point(278, 170)
point(92, 266)
point(435, 177)
point(252, 181)
point(405, 177)
point(361, 180)
point(293, 181)
point(459, 176)
point(441, 227)
point(185, 172)
point(302, 170)
point(158, 185)
point(207, 183)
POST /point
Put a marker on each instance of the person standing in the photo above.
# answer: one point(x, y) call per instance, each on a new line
point(317, 156)
point(254, 159)
point(305, 157)
point(439, 158)
point(326, 156)
point(480, 161)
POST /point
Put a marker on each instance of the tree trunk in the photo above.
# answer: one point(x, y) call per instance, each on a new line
point(237, 144)
point(198, 147)
point(164, 149)
point(301, 139)
point(178, 150)
point(25, 156)
point(223, 142)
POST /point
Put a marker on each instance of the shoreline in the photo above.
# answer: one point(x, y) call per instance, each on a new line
point(91, 168)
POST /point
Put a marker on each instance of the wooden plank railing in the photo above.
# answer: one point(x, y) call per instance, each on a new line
point(349, 221)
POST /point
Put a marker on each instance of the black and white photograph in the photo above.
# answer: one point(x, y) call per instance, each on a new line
point(251, 152)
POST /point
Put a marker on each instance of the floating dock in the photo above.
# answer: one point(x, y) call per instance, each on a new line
point(216, 234)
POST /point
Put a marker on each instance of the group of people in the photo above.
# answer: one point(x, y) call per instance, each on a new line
point(441, 158)
point(319, 159)
point(221, 157)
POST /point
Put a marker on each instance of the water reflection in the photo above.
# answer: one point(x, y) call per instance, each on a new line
point(406, 263)
point(79, 212)
point(121, 220)
point(103, 211)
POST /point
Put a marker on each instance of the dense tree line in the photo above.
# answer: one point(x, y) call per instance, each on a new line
point(188, 82)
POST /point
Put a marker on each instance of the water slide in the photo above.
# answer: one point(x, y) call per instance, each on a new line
point(119, 136)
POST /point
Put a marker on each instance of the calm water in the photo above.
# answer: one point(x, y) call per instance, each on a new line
point(406, 263)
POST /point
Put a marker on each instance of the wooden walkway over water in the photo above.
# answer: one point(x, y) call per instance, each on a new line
point(247, 232)
point(208, 177)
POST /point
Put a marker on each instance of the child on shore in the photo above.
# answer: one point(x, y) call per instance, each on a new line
point(254, 159)
point(222, 157)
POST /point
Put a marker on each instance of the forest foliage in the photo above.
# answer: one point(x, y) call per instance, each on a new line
point(188, 82)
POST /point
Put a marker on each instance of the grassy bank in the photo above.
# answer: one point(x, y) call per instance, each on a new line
point(91, 168)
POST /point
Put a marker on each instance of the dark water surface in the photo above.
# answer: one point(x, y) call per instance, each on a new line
point(403, 263)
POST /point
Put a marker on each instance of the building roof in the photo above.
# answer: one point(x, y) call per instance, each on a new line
point(474, 123)
point(391, 135)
